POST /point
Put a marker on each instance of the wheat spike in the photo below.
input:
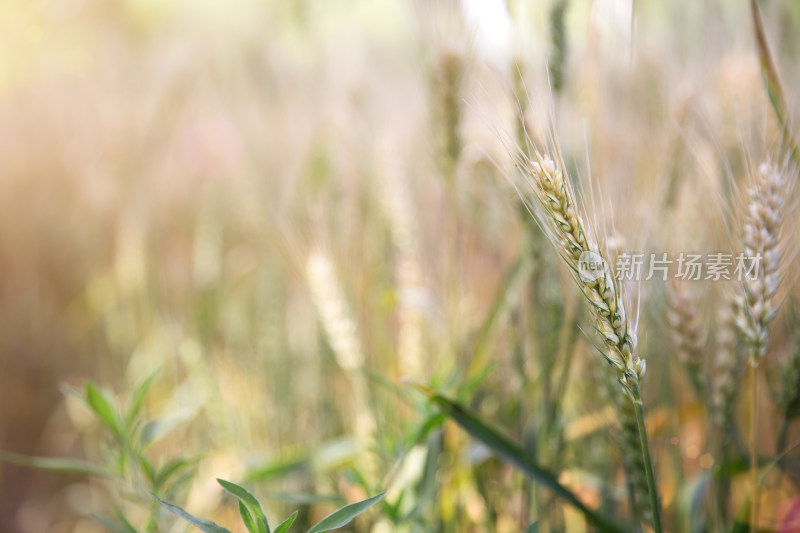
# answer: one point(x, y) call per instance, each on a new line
point(687, 334)
point(756, 307)
point(557, 210)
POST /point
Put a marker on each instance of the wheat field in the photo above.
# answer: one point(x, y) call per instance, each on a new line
point(399, 266)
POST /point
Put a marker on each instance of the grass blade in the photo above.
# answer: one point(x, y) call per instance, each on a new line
point(772, 82)
point(207, 526)
point(247, 518)
point(286, 524)
point(56, 464)
point(252, 503)
point(343, 516)
point(101, 404)
point(509, 451)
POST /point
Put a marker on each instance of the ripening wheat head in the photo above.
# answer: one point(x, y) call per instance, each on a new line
point(684, 322)
point(761, 239)
point(558, 213)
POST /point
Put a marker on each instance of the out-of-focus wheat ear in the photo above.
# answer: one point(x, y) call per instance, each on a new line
point(448, 79)
point(761, 239)
point(557, 64)
point(687, 334)
point(727, 365)
point(342, 333)
point(408, 271)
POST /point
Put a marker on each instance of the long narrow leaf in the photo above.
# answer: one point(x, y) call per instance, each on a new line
point(253, 505)
point(343, 516)
point(247, 518)
point(286, 524)
point(509, 451)
point(56, 464)
point(206, 526)
point(773, 83)
point(103, 408)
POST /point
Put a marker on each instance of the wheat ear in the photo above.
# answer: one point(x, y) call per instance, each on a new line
point(342, 332)
point(687, 334)
point(565, 227)
point(756, 306)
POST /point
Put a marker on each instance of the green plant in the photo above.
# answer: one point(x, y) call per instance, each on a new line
point(125, 459)
point(255, 520)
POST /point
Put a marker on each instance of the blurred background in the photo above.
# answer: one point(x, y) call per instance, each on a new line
point(282, 207)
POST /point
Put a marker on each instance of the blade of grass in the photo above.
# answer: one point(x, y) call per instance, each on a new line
point(253, 505)
point(102, 406)
point(247, 518)
point(56, 464)
point(343, 516)
point(286, 524)
point(206, 526)
point(509, 451)
point(772, 82)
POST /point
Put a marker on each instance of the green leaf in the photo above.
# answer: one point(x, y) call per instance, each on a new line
point(138, 398)
point(56, 464)
point(512, 453)
point(533, 528)
point(286, 524)
point(101, 404)
point(247, 518)
point(253, 505)
point(206, 526)
point(343, 516)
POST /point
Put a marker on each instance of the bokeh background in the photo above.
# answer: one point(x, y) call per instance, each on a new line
point(285, 206)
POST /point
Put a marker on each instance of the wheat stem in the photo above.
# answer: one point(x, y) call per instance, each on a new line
point(754, 447)
point(648, 464)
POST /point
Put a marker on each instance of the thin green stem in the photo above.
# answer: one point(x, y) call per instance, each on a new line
point(648, 464)
point(754, 446)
